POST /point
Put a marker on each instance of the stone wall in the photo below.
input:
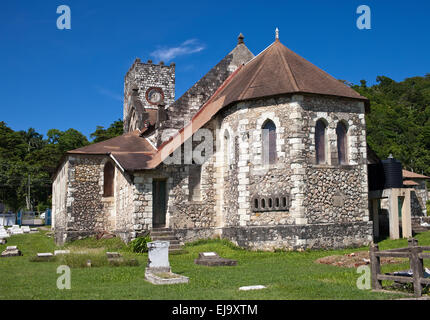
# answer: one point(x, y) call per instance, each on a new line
point(329, 194)
point(296, 237)
point(86, 211)
point(182, 212)
point(419, 197)
point(124, 213)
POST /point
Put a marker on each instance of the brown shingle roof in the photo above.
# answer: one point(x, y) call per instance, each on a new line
point(128, 142)
point(278, 70)
point(410, 183)
point(131, 151)
point(412, 175)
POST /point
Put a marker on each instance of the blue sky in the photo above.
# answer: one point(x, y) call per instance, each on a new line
point(62, 79)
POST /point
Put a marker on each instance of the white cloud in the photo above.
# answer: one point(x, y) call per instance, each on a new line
point(187, 47)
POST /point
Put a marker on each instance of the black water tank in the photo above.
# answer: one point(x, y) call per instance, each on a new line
point(393, 173)
point(376, 176)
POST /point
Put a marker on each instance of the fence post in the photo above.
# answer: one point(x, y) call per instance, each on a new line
point(375, 264)
point(412, 242)
point(417, 269)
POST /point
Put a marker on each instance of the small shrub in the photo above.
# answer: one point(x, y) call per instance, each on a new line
point(139, 245)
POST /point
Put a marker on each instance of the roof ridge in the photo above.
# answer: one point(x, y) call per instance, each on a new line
point(287, 65)
point(257, 72)
point(321, 71)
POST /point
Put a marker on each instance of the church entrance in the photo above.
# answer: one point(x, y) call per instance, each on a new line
point(159, 203)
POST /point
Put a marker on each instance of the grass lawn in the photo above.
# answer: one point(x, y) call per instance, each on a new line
point(287, 275)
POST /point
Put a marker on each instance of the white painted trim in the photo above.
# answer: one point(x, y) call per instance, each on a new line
point(153, 145)
point(116, 161)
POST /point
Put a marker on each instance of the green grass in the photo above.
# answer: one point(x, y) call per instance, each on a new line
point(287, 275)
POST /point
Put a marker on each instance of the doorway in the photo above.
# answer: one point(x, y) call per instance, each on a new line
point(159, 203)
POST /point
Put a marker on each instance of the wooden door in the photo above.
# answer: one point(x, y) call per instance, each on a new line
point(159, 203)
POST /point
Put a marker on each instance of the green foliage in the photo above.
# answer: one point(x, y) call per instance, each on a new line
point(399, 121)
point(139, 245)
point(114, 130)
point(428, 207)
point(29, 159)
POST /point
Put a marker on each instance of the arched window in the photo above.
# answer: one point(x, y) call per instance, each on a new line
point(341, 132)
point(269, 142)
point(320, 142)
point(109, 174)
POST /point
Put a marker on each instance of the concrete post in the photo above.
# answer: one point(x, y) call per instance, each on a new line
point(406, 215)
point(393, 211)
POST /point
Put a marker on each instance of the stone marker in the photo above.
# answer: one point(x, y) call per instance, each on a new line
point(25, 229)
point(45, 255)
point(247, 288)
point(3, 241)
point(4, 234)
point(58, 252)
point(114, 257)
point(213, 259)
point(158, 256)
point(158, 269)
point(34, 230)
point(11, 251)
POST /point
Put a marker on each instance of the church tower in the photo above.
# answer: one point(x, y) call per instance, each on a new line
point(148, 88)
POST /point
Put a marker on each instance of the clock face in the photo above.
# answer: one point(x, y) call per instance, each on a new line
point(154, 95)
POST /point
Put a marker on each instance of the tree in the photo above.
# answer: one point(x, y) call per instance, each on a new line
point(399, 121)
point(102, 134)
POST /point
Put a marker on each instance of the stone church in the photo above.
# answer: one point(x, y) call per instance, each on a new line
point(268, 151)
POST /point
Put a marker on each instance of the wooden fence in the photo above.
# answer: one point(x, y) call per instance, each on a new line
point(413, 252)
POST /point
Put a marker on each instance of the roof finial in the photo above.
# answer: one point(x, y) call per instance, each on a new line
point(277, 34)
point(240, 38)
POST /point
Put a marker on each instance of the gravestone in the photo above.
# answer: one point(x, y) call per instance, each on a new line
point(3, 241)
point(158, 269)
point(114, 257)
point(25, 229)
point(158, 256)
point(58, 252)
point(11, 251)
point(212, 259)
point(247, 288)
point(4, 234)
point(15, 230)
point(46, 255)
